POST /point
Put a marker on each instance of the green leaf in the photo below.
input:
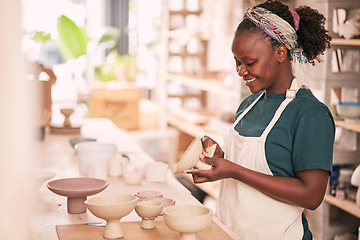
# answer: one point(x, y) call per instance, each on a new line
point(40, 36)
point(72, 41)
point(110, 37)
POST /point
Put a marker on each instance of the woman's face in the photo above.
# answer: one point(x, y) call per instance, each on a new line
point(257, 62)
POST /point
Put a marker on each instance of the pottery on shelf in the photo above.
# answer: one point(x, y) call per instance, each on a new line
point(67, 112)
point(148, 211)
point(66, 127)
point(188, 219)
point(112, 209)
point(191, 159)
point(77, 190)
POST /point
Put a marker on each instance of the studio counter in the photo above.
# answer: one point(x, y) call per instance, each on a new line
point(57, 155)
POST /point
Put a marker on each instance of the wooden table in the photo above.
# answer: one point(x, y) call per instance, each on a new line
point(58, 156)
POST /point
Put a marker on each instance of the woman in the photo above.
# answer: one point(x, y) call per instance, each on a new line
point(278, 154)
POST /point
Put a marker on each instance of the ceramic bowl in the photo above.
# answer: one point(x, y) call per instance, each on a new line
point(167, 202)
point(89, 152)
point(75, 140)
point(188, 219)
point(76, 190)
point(143, 195)
point(112, 209)
point(191, 159)
point(148, 211)
point(348, 109)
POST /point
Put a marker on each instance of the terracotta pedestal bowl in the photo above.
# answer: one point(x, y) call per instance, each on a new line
point(76, 190)
point(188, 220)
point(112, 209)
point(148, 211)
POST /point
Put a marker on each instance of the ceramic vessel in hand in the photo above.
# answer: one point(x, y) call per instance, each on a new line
point(191, 157)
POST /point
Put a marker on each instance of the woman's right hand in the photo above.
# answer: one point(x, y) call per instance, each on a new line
point(207, 142)
point(220, 169)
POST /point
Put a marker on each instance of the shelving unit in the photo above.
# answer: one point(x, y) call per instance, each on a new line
point(345, 42)
point(349, 126)
point(335, 78)
point(191, 74)
point(211, 85)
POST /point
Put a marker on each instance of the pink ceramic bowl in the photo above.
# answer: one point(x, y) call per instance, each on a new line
point(144, 195)
point(167, 202)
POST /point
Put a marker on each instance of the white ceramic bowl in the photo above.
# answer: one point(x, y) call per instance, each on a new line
point(188, 219)
point(168, 202)
point(348, 109)
point(89, 152)
point(112, 209)
point(148, 211)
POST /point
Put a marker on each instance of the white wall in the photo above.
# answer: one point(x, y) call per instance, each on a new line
point(15, 144)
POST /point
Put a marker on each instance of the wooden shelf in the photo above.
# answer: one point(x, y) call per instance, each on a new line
point(345, 42)
point(208, 85)
point(349, 126)
point(194, 130)
point(185, 12)
point(346, 205)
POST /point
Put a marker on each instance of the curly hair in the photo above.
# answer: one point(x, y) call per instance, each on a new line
point(312, 35)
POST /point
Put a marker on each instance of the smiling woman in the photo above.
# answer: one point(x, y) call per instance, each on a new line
point(278, 154)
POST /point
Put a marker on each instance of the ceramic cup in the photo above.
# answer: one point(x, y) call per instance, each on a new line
point(89, 152)
point(156, 172)
point(117, 164)
point(98, 169)
point(133, 175)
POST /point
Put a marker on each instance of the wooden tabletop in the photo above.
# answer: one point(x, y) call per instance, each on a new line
point(58, 156)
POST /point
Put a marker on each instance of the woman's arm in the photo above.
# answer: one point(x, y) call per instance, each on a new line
point(306, 190)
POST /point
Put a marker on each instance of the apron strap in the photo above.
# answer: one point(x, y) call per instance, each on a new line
point(248, 109)
point(290, 95)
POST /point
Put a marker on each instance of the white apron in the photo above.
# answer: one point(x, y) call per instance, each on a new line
point(249, 213)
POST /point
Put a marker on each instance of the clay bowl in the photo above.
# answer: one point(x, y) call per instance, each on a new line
point(191, 159)
point(148, 211)
point(167, 202)
point(112, 209)
point(75, 140)
point(143, 195)
point(76, 190)
point(188, 219)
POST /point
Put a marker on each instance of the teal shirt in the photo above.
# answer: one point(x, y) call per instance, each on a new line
point(301, 139)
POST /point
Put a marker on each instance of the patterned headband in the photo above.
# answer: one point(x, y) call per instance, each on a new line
point(278, 29)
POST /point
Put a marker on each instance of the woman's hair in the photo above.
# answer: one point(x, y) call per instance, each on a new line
point(312, 35)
